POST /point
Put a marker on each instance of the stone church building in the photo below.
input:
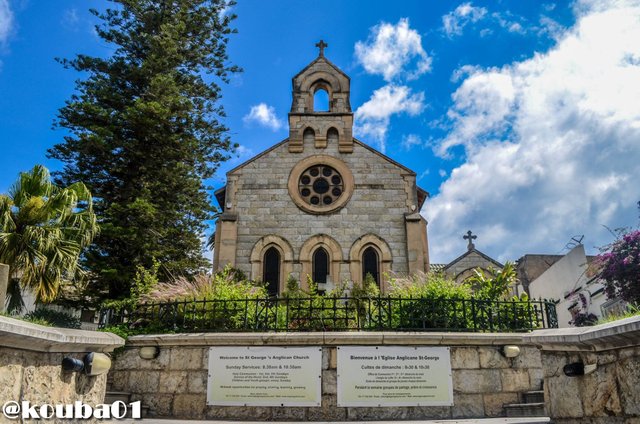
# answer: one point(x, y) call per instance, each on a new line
point(321, 203)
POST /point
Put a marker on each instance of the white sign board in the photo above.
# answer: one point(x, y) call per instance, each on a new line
point(394, 376)
point(264, 376)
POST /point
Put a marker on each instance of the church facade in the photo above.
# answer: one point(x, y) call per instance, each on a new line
point(321, 203)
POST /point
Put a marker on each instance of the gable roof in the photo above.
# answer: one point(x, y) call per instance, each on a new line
point(220, 193)
point(320, 59)
point(469, 252)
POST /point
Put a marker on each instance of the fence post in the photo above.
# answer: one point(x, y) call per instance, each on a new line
point(4, 284)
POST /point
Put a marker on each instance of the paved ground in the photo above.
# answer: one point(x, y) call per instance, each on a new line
point(532, 420)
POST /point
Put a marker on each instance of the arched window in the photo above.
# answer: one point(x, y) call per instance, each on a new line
point(332, 136)
point(370, 264)
point(320, 265)
point(309, 136)
point(321, 100)
point(271, 270)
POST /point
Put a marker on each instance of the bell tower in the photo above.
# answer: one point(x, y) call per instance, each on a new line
point(311, 128)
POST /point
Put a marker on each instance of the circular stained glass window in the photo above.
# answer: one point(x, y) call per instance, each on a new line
point(320, 184)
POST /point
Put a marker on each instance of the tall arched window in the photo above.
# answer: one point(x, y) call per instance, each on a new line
point(309, 136)
point(320, 265)
point(271, 270)
point(332, 136)
point(370, 264)
point(321, 100)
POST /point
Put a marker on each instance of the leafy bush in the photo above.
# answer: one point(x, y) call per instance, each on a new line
point(143, 283)
point(53, 318)
point(620, 268)
point(311, 310)
point(224, 285)
point(493, 285)
point(631, 311)
point(367, 288)
point(428, 286)
point(429, 301)
point(201, 302)
point(226, 302)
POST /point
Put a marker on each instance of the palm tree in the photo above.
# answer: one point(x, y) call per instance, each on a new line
point(43, 230)
point(494, 284)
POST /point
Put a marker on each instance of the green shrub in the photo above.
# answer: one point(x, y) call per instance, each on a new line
point(429, 301)
point(632, 311)
point(52, 318)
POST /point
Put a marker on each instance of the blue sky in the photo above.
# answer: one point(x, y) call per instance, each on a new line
point(521, 118)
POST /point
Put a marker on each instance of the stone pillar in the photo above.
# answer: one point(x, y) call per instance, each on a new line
point(417, 254)
point(227, 240)
point(4, 284)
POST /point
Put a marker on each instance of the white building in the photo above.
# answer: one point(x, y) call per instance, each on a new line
point(568, 282)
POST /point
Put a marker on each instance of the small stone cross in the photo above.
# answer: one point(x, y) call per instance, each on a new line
point(470, 237)
point(321, 45)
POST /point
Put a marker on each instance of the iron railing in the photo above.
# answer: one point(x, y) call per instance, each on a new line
point(383, 313)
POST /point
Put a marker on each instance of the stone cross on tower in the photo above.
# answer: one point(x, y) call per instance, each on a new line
point(321, 45)
point(470, 237)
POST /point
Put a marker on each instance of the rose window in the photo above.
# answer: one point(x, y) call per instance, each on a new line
point(320, 185)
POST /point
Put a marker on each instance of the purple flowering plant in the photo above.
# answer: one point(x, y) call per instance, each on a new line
point(620, 268)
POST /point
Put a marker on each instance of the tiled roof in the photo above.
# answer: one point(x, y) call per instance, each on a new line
point(437, 267)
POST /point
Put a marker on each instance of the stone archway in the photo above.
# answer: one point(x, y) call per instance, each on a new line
point(286, 258)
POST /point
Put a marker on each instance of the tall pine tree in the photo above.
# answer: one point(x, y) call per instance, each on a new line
point(145, 132)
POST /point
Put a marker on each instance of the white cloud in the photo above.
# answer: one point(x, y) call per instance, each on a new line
point(70, 19)
point(550, 27)
point(6, 21)
point(372, 118)
point(464, 71)
point(242, 154)
point(390, 48)
point(264, 115)
point(454, 22)
point(423, 174)
point(509, 21)
point(551, 143)
point(411, 140)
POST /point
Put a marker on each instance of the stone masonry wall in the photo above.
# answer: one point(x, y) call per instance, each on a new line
point(30, 364)
point(609, 395)
point(174, 384)
point(37, 377)
point(264, 206)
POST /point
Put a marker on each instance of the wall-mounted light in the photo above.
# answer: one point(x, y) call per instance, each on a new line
point(576, 369)
point(510, 351)
point(149, 352)
point(92, 364)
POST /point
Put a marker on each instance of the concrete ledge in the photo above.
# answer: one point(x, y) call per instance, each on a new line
point(328, 339)
point(612, 335)
point(524, 420)
point(24, 335)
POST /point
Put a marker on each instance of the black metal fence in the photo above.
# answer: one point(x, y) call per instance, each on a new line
point(336, 314)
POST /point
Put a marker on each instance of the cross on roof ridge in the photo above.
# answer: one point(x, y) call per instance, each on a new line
point(321, 45)
point(470, 236)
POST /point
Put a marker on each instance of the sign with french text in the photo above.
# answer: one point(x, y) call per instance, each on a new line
point(264, 376)
point(394, 376)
